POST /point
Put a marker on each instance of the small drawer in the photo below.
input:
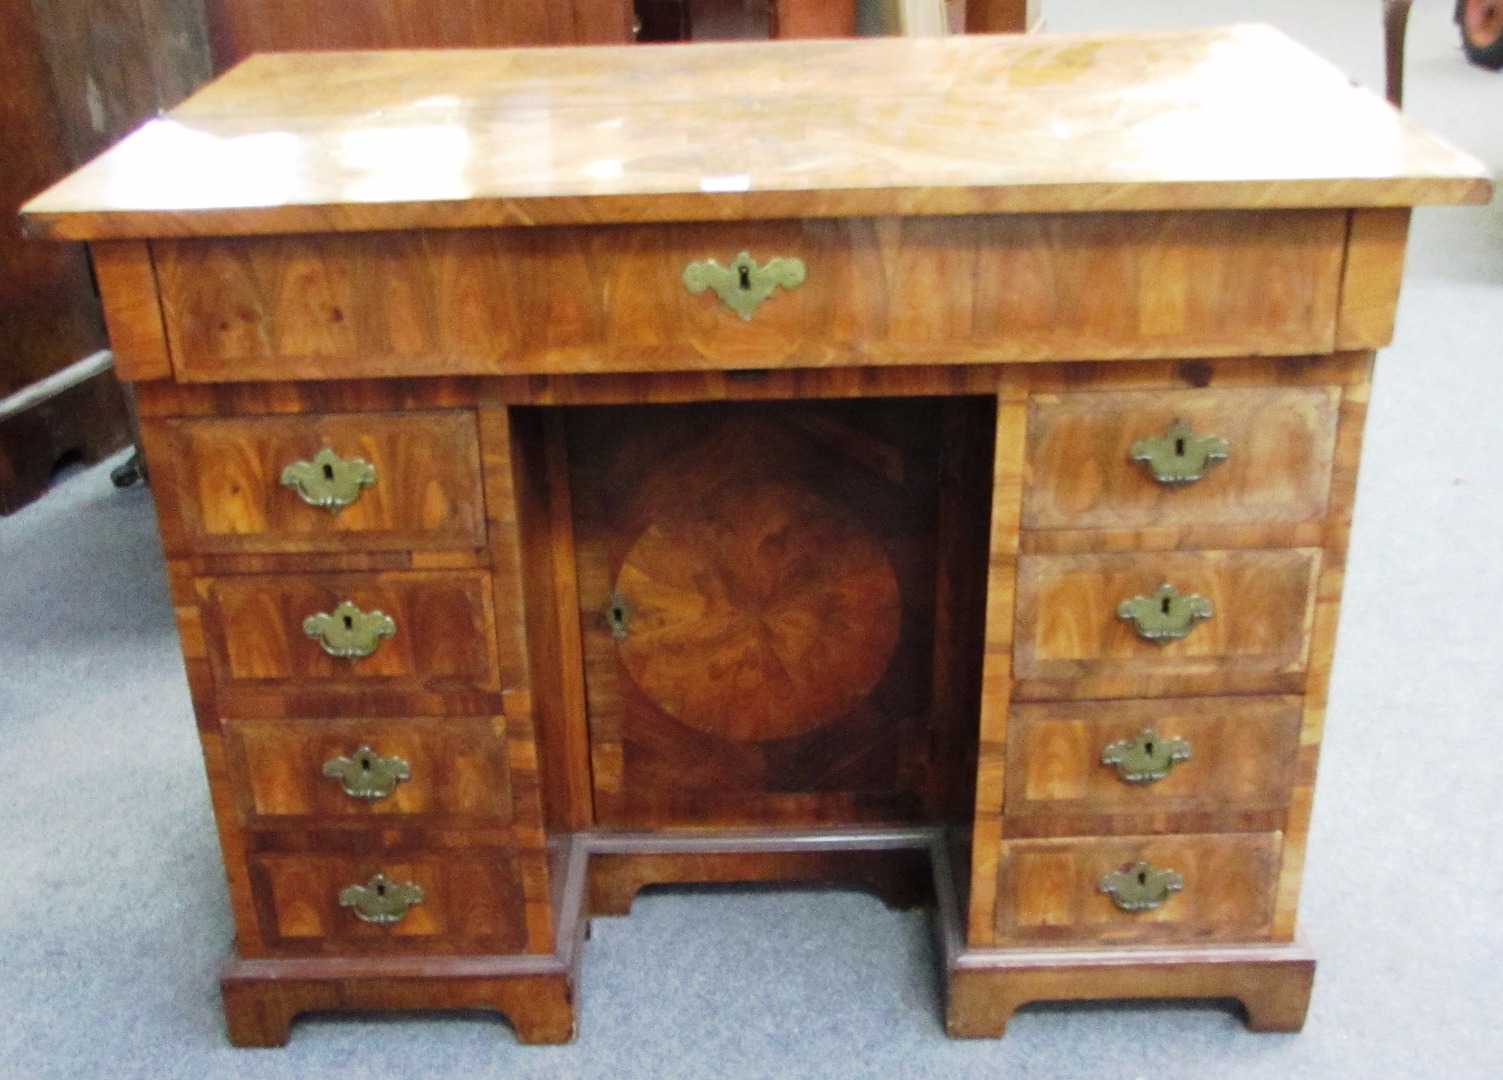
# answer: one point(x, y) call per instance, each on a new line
point(1090, 620)
point(949, 289)
point(358, 772)
point(1171, 458)
point(1198, 888)
point(424, 631)
point(1090, 768)
point(364, 481)
point(442, 902)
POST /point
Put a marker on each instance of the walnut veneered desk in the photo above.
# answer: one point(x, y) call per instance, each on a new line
point(925, 463)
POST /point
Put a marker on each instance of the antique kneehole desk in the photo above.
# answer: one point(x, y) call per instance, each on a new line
point(923, 463)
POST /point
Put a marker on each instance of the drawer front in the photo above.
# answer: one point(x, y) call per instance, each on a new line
point(442, 631)
point(1050, 892)
point(1070, 623)
point(1270, 461)
point(302, 772)
point(1170, 765)
point(873, 291)
point(471, 902)
point(268, 484)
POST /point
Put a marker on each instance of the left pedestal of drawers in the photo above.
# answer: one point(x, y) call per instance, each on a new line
point(344, 562)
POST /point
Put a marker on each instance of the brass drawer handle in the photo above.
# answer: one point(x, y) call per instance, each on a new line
point(1166, 615)
point(381, 900)
point(329, 481)
point(1179, 456)
point(1140, 887)
point(366, 774)
point(743, 285)
point(1146, 757)
point(347, 632)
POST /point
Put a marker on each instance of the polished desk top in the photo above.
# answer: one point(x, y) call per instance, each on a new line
point(1187, 119)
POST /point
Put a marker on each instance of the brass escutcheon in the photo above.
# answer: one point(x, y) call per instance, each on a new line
point(349, 633)
point(381, 900)
point(1167, 615)
point(1179, 456)
point(329, 481)
point(743, 285)
point(1140, 887)
point(1145, 757)
point(366, 774)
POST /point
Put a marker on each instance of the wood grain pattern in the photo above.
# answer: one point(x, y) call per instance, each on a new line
point(877, 291)
point(1273, 983)
point(1238, 776)
point(127, 283)
point(458, 769)
point(745, 483)
point(1048, 890)
point(1322, 652)
point(1069, 631)
point(472, 903)
point(1277, 470)
point(445, 638)
point(243, 27)
point(1370, 282)
point(327, 142)
point(900, 878)
point(261, 998)
point(226, 478)
point(1009, 447)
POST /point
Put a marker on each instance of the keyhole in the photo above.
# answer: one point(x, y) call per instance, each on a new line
point(365, 762)
point(1163, 606)
point(381, 890)
point(1148, 746)
point(617, 615)
point(1179, 447)
point(1142, 877)
point(745, 272)
point(328, 472)
point(349, 620)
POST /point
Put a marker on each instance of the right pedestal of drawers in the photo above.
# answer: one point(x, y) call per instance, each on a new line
point(1167, 551)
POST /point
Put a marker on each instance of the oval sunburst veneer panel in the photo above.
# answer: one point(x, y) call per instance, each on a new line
point(758, 612)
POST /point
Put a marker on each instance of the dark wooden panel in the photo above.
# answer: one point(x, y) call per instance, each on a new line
point(242, 27)
point(775, 568)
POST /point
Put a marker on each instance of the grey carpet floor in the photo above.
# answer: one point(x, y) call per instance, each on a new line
point(112, 909)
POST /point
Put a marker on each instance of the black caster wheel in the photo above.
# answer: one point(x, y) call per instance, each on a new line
point(130, 474)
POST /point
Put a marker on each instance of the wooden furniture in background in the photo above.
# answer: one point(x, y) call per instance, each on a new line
point(79, 75)
point(705, 494)
point(242, 27)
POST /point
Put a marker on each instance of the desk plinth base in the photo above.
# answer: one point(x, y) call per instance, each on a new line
point(261, 997)
point(1273, 982)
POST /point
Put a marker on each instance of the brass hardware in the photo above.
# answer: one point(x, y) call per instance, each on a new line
point(1140, 887)
point(1145, 757)
point(329, 481)
point(366, 775)
point(1167, 615)
point(743, 285)
point(1179, 456)
point(381, 900)
point(347, 632)
point(617, 615)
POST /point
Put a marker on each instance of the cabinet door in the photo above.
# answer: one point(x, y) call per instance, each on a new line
point(757, 603)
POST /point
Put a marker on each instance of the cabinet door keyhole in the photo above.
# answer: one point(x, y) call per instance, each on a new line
point(745, 272)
